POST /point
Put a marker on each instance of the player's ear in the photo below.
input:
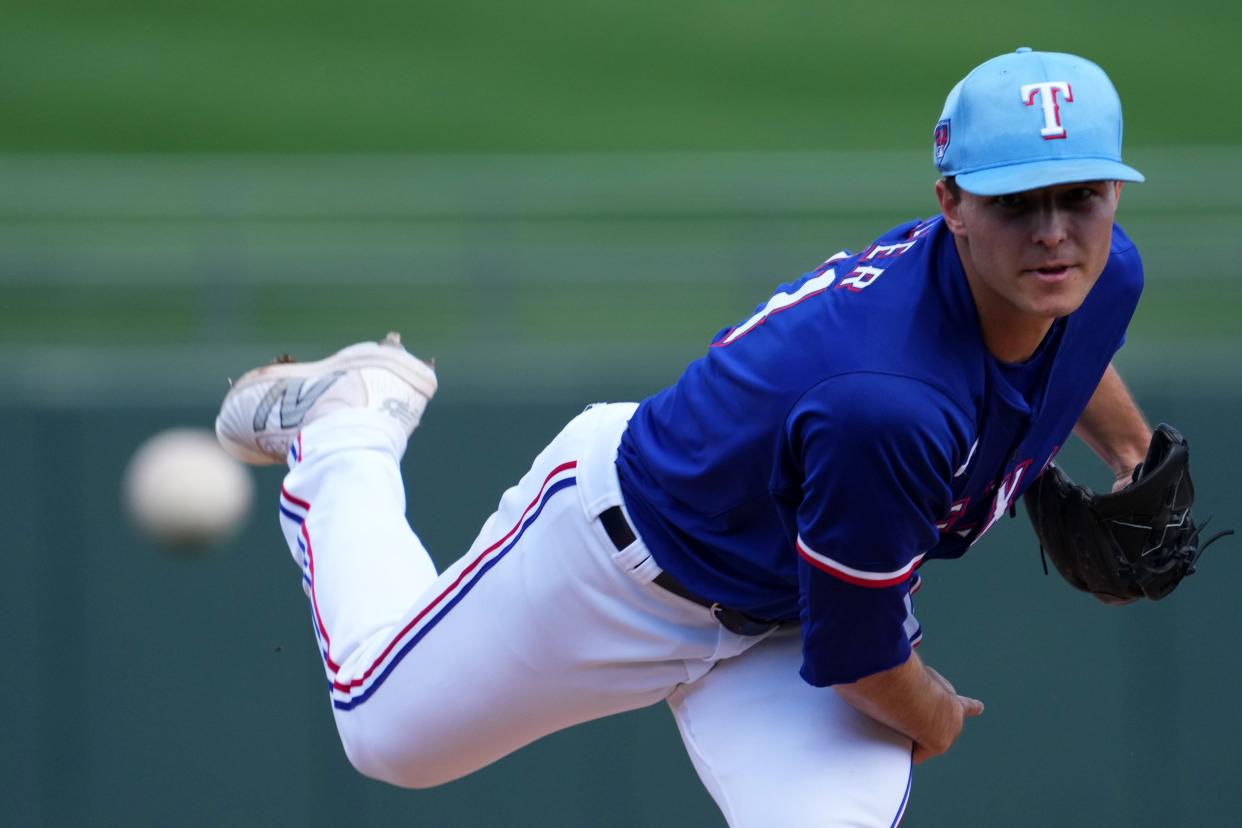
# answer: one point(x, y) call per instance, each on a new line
point(950, 199)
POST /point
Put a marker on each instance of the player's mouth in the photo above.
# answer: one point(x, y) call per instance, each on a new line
point(1051, 272)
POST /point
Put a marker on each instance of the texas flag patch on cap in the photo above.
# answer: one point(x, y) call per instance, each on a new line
point(941, 140)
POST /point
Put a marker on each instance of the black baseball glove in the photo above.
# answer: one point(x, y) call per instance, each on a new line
point(1139, 541)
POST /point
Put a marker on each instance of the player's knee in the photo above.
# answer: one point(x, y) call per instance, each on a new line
point(379, 756)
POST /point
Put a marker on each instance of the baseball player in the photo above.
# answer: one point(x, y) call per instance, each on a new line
point(745, 545)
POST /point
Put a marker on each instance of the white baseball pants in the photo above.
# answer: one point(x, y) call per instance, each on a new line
point(543, 624)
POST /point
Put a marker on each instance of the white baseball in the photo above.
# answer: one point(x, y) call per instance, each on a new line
point(182, 489)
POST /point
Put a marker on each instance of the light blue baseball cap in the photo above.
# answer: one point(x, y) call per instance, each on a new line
point(1031, 119)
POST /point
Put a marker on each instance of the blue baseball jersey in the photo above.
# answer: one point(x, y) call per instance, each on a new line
point(851, 429)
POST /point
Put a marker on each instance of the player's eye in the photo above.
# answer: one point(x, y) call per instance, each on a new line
point(1080, 197)
point(1010, 201)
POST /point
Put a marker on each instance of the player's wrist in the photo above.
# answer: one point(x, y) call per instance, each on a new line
point(944, 717)
point(1129, 457)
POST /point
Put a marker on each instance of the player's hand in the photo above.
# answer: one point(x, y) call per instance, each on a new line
point(947, 726)
point(915, 700)
point(1123, 478)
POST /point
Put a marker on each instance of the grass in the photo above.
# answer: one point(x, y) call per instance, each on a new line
point(558, 76)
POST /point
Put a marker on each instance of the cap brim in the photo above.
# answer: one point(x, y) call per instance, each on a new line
point(1015, 178)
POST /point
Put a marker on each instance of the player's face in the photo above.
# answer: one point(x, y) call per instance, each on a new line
point(1032, 256)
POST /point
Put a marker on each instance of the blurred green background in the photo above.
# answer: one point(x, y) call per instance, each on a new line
point(562, 202)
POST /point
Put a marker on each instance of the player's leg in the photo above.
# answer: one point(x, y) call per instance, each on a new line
point(773, 750)
point(536, 628)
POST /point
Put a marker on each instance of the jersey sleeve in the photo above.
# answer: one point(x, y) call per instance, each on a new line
point(876, 454)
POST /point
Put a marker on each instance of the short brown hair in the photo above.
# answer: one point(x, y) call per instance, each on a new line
point(950, 184)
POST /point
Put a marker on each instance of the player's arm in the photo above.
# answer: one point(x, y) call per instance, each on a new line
point(915, 700)
point(877, 452)
point(1114, 428)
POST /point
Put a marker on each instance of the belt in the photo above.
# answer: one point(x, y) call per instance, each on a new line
point(735, 621)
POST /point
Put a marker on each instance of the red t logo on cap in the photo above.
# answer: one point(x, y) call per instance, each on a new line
point(1052, 110)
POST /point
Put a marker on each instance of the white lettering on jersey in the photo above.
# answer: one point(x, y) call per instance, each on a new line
point(1047, 91)
point(956, 511)
point(969, 456)
point(861, 277)
point(781, 301)
point(888, 251)
point(1005, 491)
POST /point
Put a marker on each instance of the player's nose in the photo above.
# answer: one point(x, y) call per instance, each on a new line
point(1050, 226)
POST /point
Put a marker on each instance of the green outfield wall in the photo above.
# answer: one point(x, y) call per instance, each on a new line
point(150, 689)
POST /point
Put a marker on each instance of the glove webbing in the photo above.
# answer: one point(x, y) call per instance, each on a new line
point(1186, 550)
